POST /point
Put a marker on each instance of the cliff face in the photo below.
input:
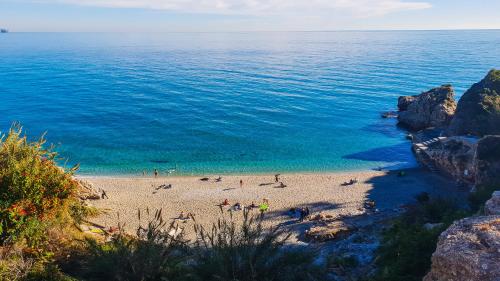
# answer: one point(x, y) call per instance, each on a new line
point(478, 111)
point(487, 161)
point(470, 248)
point(434, 108)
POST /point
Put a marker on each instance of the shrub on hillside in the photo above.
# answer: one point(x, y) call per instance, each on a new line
point(153, 254)
point(248, 252)
point(34, 191)
point(407, 246)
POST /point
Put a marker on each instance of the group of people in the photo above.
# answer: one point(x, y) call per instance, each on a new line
point(303, 212)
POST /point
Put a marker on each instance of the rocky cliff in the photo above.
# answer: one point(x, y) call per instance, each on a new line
point(433, 108)
point(478, 111)
point(471, 153)
point(470, 248)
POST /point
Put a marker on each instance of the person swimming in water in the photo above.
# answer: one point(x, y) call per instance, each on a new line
point(156, 173)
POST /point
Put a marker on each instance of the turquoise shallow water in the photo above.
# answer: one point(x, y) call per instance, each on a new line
point(230, 102)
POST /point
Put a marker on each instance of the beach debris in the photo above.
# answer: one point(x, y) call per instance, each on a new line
point(330, 231)
point(204, 179)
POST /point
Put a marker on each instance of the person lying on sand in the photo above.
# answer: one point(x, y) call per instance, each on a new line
point(350, 182)
point(219, 179)
point(237, 207)
point(282, 185)
point(225, 203)
point(185, 217)
point(164, 186)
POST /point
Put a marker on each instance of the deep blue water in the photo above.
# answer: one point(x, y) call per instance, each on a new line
point(230, 102)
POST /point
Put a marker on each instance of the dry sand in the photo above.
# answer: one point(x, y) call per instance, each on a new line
point(321, 192)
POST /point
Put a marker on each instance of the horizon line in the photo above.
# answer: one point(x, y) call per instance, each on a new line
point(265, 31)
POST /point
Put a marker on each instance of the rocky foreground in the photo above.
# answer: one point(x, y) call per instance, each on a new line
point(470, 248)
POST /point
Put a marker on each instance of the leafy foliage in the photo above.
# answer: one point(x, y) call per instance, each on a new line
point(33, 189)
point(407, 246)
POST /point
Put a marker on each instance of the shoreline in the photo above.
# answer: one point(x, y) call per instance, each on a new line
point(321, 192)
point(230, 174)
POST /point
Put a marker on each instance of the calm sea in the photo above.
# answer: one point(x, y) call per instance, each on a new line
point(230, 102)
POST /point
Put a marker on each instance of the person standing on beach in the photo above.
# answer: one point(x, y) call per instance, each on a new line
point(277, 177)
point(241, 183)
point(156, 173)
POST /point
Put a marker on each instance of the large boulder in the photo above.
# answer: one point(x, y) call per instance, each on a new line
point(492, 206)
point(434, 108)
point(478, 111)
point(487, 161)
point(468, 250)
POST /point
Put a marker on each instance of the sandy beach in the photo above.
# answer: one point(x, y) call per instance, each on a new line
point(320, 192)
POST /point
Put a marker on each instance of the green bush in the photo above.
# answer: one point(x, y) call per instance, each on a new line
point(407, 246)
point(249, 251)
point(34, 191)
point(480, 196)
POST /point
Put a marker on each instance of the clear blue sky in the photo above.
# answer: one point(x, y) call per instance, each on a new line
point(246, 15)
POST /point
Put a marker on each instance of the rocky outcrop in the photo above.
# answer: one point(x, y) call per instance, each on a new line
point(478, 111)
point(87, 191)
point(329, 231)
point(434, 108)
point(454, 156)
point(469, 249)
point(487, 161)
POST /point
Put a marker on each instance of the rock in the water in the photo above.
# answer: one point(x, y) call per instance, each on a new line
point(468, 250)
point(492, 206)
point(478, 111)
point(488, 161)
point(329, 231)
point(434, 108)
